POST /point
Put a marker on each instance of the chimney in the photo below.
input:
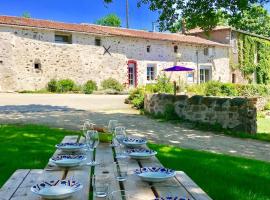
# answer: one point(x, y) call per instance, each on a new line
point(183, 22)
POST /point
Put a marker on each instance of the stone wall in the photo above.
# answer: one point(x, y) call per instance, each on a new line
point(20, 48)
point(237, 114)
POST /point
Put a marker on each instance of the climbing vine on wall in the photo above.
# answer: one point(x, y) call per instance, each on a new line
point(254, 56)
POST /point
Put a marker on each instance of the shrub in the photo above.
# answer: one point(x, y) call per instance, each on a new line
point(228, 89)
point(213, 88)
point(65, 85)
point(164, 85)
point(89, 87)
point(267, 106)
point(77, 89)
point(52, 85)
point(136, 97)
point(111, 83)
point(196, 89)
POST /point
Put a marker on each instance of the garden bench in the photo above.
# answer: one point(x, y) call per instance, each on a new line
point(18, 186)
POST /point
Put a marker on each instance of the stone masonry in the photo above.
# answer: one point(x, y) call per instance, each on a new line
point(21, 48)
point(237, 114)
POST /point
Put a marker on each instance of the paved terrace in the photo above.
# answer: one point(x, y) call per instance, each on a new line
point(69, 110)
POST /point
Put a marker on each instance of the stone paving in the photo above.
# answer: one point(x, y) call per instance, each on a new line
point(38, 109)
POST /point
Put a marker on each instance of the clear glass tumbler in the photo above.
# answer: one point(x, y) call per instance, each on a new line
point(100, 184)
point(121, 170)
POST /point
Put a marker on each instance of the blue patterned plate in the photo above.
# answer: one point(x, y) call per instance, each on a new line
point(134, 142)
point(141, 153)
point(155, 174)
point(56, 189)
point(71, 146)
point(68, 160)
point(171, 198)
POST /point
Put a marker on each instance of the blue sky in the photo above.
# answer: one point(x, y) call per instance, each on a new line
point(79, 11)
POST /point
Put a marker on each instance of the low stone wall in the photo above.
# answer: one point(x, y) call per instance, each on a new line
point(239, 114)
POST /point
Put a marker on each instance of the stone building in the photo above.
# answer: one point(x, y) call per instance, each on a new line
point(229, 35)
point(32, 52)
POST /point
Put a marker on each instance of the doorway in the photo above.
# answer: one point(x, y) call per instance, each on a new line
point(132, 78)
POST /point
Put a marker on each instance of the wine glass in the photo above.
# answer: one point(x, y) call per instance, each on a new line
point(92, 139)
point(87, 126)
point(120, 133)
point(111, 126)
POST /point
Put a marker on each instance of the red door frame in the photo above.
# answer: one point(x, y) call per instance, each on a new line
point(135, 71)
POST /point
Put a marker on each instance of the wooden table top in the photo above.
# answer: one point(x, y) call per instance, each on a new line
point(18, 186)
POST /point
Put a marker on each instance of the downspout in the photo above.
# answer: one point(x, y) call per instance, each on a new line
point(198, 70)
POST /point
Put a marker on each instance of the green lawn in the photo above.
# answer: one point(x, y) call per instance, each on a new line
point(222, 177)
point(27, 146)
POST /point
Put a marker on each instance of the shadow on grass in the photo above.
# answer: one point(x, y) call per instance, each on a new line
point(27, 146)
point(222, 177)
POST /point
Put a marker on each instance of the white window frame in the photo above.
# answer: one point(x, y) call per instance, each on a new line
point(205, 68)
point(153, 73)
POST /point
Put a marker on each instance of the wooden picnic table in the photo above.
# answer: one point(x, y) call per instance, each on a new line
point(18, 186)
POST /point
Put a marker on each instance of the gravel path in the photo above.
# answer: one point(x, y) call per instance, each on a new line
point(69, 111)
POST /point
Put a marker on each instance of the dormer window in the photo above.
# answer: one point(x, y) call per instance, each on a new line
point(175, 49)
point(148, 48)
point(97, 41)
point(63, 38)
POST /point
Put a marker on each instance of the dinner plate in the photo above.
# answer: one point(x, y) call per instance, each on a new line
point(67, 160)
point(141, 153)
point(155, 174)
point(134, 142)
point(71, 146)
point(56, 189)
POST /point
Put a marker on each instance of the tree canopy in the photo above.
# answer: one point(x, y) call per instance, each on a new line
point(205, 14)
point(26, 15)
point(109, 20)
point(255, 20)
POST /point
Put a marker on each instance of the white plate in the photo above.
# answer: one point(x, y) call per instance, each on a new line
point(155, 174)
point(68, 160)
point(57, 189)
point(71, 146)
point(141, 153)
point(134, 142)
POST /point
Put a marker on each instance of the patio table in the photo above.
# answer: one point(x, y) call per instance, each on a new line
point(18, 186)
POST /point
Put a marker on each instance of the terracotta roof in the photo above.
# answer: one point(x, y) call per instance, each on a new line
point(104, 30)
point(217, 28)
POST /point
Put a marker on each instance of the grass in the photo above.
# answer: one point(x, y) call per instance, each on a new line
point(27, 146)
point(222, 177)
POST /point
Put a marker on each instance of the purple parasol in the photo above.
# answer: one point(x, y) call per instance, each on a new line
point(178, 69)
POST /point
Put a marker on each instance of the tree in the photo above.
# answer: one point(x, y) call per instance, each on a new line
point(26, 15)
point(205, 14)
point(256, 20)
point(109, 20)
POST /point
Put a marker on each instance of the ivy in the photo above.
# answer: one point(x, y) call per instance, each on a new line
point(254, 56)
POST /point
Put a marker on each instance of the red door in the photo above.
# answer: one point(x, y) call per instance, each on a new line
point(132, 73)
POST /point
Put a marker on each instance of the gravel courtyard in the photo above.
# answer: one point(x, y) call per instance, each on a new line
point(70, 110)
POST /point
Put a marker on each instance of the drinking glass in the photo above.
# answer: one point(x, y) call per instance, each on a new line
point(118, 195)
point(121, 170)
point(100, 184)
point(87, 126)
point(112, 124)
point(120, 133)
point(92, 139)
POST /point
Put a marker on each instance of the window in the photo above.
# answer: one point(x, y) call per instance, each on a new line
point(63, 38)
point(206, 51)
point(37, 64)
point(151, 72)
point(98, 42)
point(233, 78)
point(205, 74)
point(148, 48)
point(175, 48)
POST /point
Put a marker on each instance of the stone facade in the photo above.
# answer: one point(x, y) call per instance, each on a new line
point(237, 114)
point(30, 58)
